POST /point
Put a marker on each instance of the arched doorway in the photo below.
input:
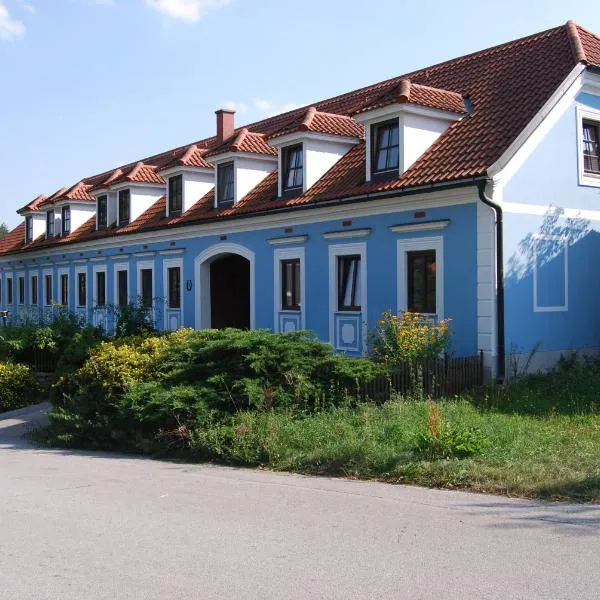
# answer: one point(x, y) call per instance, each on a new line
point(225, 287)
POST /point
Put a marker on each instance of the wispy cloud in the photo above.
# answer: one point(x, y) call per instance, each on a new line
point(26, 6)
point(10, 28)
point(239, 107)
point(272, 108)
point(186, 10)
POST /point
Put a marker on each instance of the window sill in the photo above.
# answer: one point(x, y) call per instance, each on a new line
point(348, 311)
point(292, 311)
point(384, 175)
point(590, 179)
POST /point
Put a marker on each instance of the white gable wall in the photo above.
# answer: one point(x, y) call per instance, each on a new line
point(142, 198)
point(319, 157)
point(417, 134)
point(249, 173)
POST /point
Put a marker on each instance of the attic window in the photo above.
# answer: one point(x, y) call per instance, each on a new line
point(28, 229)
point(225, 185)
point(293, 170)
point(591, 147)
point(386, 150)
point(124, 207)
point(50, 224)
point(175, 195)
point(66, 220)
point(102, 212)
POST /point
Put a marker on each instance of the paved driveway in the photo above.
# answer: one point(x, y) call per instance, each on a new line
point(77, 525)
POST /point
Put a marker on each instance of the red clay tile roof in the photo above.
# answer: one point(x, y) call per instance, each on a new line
point(33, 205)
point(193, 156)
point(245, 141)
point(77, 192)
point(322, 122)
point(506, 85)
point(140, 173)
point(406, 92)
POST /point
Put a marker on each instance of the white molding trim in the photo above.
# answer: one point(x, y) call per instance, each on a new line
point(181, 169)
point(301, 136)
point(202, 277)
point(318, 214)
point(116, 268)
point(404, 246)
point(141, 265)
point(336, 250)
point(280, 254)
point(97, 259)
point(78, 271)
point(119, 256)
point(525, 143)
point(588, 114)
point(169, 263)
point(229, 156)
point(424, 226)
point(348, 234)
point(296, 239)
point(396, 110)
point(80, 261)
point(171, 252)
point(591, 83)
point(144, 254)
point(550, 238)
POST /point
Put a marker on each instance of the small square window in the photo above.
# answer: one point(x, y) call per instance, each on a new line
point(293, 170)
point(591, 147)
point(175, 195)
point(349, 282)
point(385, 142)
point(124, 207)
point(225, 185)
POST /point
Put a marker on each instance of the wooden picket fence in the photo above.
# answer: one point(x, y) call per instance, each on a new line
point(443, 377)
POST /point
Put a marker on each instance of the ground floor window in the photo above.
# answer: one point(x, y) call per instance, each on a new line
point(101, 288)
point(48, 289)
point(146, 287)
point(421, 282)
point(21, 290)
point(122, 292)
point(174, 287)
point(34, 290)
point(64, 289)
point(348, 282)
point(9, 290)
point(81, 289)
point(290, 284)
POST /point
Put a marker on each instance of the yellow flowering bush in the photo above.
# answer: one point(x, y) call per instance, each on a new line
point(18, 386)
point(407, 337)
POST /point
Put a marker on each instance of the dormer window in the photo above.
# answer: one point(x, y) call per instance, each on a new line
point(386, 150)
point(102, 212)
point(175, 195)
point(50, 224)
point(124, 207)
point(28, 229)
point(225, 185)
point(591, 147)
point(293, 170)
point(66, 220)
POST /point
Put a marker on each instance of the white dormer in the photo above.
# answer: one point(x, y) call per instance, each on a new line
point(70, 215)
point(241, 161)
point(310, 146)
point(35, 225)
point(134, 199)
point(402, 125)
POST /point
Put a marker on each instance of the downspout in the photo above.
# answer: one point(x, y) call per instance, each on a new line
point(499, 238)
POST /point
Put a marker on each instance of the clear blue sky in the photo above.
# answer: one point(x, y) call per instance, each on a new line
point(86, 85)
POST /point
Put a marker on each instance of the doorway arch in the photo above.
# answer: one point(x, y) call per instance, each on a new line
point(212, 267)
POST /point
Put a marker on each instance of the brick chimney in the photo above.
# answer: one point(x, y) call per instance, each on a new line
point(225, 124)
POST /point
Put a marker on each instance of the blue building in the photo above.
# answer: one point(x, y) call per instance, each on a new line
point(467, 190)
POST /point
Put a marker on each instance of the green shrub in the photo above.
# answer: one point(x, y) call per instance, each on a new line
point(451, 444)
point(18, 386)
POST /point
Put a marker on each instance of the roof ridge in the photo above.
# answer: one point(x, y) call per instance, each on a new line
point(135, 170)
point(404, 90)
point(308, 119)
point(188, 153)
point(239, 138)
point(575, 41)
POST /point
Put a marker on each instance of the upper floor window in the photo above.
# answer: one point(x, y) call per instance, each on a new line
point(293, 169)
point(225, 185)
point(349, 282)
point(28, 229)
point(421, 282)
point(386, 149)
point(50, 224)
point(124, 207)
point(102, 212)
point(66, 219)
point(175, 195)
point(591, 147)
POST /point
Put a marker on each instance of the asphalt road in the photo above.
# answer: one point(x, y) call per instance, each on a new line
point(77, 525)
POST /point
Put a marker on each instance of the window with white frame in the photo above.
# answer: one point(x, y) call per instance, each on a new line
point(100, 289)
point(34, 290)
point(122, 287)
point(145, 283)
point(9, 290)
point(48, 289)
point(588, 134)
point(421, 275)
point(64, 289)
point(289, 282)
point(81, 289)
point(21, 284)
point(349, 282)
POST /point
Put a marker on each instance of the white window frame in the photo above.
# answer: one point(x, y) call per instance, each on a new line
point(21, 275)
point(83, 270)
point(59, 275)
point(550, 238)
point(170, 263)
point(336, 250)
point(31, 276)
point(116, 268)
point(585, 114)
point(7, 277)
point(95, 270)
point(46, 272)
point(146, 264)
point(279, 255)
point(403, 247)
